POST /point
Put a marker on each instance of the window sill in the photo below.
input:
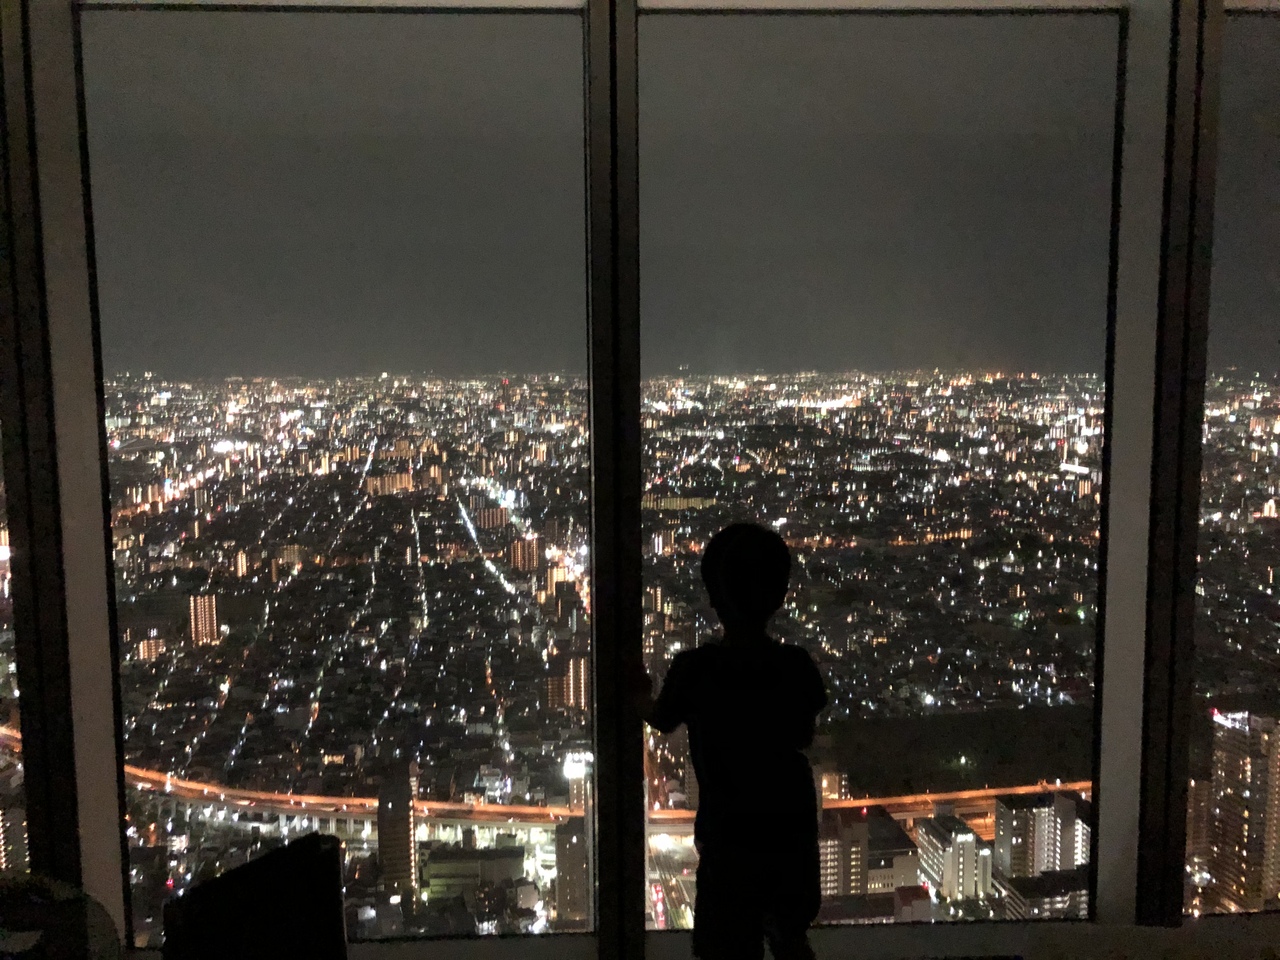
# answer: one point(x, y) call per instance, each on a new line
point(1220, 938)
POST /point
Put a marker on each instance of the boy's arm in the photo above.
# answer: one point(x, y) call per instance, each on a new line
point(642, 694)
point(666, 712)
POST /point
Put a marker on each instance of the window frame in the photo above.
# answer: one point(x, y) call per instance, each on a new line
point(1160, 251)
point(995, 9)
point(30, 467)
point(1182, 342)
point(67, 658)
point(1180, 496)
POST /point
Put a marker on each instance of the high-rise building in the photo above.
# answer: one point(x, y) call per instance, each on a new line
point(577, 770)
point(1199, 820)
point(1244, 859)
point(1084, 833)
point(204, 619)
point(573, 880)
point(389, 484)
point(1015, 830)
point(689, 778)
point(525, 554)
point(662, 542)
point(397, 826)
point(569, 681)
point(491, 518)
point(149, 648)
point(1040, 832)
point(864, 850)
point(13, 840)
point(291, 555)
point(830, 873)
point(953, 858)
point(850, 829)
point(555, 576)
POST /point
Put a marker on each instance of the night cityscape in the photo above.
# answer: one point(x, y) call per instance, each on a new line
point(333, 595)
point(398, 572)
point(360, 602)
point(13, 817)
point(1233, 813)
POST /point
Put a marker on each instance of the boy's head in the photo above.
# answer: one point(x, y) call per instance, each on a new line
point(746, 569)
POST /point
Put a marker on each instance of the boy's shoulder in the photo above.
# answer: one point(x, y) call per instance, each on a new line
point(698, 662)
point(697, 656)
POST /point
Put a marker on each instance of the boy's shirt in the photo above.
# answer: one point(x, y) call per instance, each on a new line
point(750, 711)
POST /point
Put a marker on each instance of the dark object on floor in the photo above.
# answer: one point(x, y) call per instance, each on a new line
point(45, 919)
point(21, 946)
point(287, 903)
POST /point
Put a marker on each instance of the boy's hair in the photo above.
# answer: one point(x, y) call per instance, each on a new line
point(746, 569)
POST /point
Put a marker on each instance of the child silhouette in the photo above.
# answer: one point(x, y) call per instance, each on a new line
point(750, 704)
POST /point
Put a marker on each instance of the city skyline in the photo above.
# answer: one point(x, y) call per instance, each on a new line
point(297, 558)
point(482, 375)
point(875, 288)
point(401, 572)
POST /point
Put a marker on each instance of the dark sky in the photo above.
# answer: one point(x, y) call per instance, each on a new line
point(327, 194)
point(1244, 319)
point(324, 194)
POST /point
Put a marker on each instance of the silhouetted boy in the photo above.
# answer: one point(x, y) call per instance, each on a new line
point(750, 704)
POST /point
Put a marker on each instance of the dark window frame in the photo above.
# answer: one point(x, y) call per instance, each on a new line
point(39, 512)
point(31, 478)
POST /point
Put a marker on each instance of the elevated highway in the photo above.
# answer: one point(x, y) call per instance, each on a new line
point(358, 815)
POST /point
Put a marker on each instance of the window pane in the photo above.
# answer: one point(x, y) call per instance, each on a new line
point(341, 268)
point(875, 275)
point(1233, 854)
point(13, 802)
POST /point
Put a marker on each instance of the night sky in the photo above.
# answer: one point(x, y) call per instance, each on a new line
point(1244, 319)
point(323, 194)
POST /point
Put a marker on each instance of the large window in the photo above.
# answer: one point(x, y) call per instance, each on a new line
point(341, 271)
point(13, 813)
point(1233, 817)
point(874, 318)
point(375, 374)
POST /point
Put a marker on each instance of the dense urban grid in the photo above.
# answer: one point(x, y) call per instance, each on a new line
point(363, 606)
point(13, 805)
point(1233, 815)
point(322, 582)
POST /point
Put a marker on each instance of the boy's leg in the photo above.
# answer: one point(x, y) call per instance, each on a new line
point(726, 924)
point(795, 902)
point(789, 945)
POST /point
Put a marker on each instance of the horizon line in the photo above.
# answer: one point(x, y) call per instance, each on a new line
point(1003, 373)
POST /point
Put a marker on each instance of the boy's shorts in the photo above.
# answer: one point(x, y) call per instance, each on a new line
point(754, 890)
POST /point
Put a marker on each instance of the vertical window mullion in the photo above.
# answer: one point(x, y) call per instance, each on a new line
point(613, 264)
point(1175, 497)
point(1130, 444)
point(30, 464)
point(1162, 246)
point(91, 760)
